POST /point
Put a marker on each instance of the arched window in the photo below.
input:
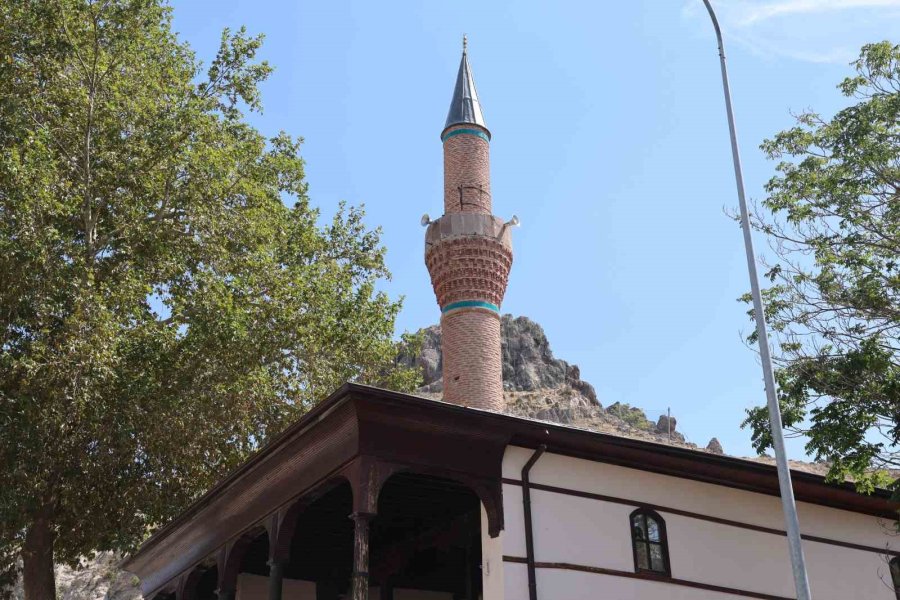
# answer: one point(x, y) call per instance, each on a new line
point(648, 540)
point(895, 575)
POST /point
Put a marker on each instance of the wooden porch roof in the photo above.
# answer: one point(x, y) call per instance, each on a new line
point(431, 437)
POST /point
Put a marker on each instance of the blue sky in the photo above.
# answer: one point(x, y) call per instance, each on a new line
point(609, 142)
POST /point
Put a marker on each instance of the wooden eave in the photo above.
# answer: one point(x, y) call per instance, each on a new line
point(429, 435)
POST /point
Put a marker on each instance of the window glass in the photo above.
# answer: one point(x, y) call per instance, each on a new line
point(643, 563)
point(656, 558)
point(648, 539)
point(652, 530)
point(638, 524)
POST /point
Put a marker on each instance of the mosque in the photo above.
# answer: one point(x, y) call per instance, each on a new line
point(375, 494)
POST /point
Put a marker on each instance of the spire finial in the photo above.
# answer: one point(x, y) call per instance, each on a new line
point(464, 108)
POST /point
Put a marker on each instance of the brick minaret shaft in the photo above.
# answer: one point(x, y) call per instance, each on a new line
point(468, 252)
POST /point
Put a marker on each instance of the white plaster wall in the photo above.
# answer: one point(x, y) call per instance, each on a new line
point(706, 498)
point(515, 578)
point(836, 572)
point(513, 519)
point(588, 532)
point(727, 556)
point(557, 584)
point(573, 585)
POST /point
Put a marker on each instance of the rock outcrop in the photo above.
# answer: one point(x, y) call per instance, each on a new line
point(538, 385)
point(97, 579)
point(715, 446)
point(528, 361)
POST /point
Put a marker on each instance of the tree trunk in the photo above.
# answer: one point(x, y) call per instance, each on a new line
point(38, 577)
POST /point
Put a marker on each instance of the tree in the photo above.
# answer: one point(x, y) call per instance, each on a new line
point(833, 223)
point(163, 311)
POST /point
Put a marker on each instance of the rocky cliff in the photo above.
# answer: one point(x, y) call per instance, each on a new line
point(540, 386)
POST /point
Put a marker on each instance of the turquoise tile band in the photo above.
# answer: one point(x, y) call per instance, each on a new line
point(475, 132)
point(470, 304)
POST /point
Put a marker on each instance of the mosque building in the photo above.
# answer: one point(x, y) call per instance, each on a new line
point(375, 494)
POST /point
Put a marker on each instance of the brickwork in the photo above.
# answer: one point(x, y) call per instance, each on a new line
point(469, 268)
point(473, 368)
point(468, 252)
point(467, 172)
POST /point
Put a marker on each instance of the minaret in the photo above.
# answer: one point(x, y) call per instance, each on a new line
point(468, 252)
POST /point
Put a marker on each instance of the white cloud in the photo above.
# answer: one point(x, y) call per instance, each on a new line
point(754, 12)
point(809, 30)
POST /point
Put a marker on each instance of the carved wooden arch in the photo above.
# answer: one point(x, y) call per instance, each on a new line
point(186, 588)
point(366, 476)
point(490, 492)
point(373, 478)
point(231, 558)
point(281, 525)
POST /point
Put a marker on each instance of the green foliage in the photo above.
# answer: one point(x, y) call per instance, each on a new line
point(834, 226)
point(163, 311)
point(631, 415)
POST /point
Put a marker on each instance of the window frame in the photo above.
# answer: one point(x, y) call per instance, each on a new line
point(663, 543)
point(894, 571)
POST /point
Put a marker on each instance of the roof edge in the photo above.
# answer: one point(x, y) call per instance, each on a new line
point(581, 443)
point(307, 420)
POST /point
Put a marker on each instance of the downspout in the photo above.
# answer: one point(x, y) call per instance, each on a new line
point(529, 533)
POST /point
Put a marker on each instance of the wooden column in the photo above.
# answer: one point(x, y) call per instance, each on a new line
point(276, 576)
point(360, 583)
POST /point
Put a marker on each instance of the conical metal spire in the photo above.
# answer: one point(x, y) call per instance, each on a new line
point(465, 108)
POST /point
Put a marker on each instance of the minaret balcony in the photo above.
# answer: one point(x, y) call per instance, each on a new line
point(466, 224)
point(469, 256)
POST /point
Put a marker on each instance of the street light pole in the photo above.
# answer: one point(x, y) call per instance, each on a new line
point(798, 564)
